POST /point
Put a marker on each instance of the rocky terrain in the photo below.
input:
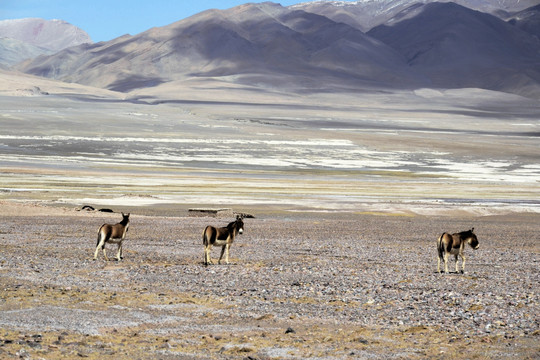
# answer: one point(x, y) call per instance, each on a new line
point(300, 285)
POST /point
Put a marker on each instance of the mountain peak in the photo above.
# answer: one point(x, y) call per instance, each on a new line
point(53, 35)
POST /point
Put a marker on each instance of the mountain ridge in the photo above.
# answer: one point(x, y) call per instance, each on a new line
point(366, 14)
point(271, 46)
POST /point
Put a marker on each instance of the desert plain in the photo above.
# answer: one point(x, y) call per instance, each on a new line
point(349, 192)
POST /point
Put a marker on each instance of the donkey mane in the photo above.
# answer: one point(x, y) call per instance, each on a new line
point(466, 233)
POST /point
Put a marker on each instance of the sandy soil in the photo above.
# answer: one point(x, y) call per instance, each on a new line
point(301, 285)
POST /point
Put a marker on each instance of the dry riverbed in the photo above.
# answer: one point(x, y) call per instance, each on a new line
point(301, 285)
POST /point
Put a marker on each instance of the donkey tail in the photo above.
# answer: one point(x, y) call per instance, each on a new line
point(440, 246)
point(99, 234)
point(205, 236)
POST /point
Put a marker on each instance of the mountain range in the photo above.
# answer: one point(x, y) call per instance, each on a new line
point(318, 47)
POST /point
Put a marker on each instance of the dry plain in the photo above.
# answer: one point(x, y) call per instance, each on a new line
point(349, 193)
point(347, 286)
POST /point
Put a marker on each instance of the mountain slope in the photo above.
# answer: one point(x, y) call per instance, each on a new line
point(264, 43)
point(13, 51)
point(459, 47)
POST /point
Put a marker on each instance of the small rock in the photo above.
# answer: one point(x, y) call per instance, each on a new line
point(290, 330)
point(362, 341)
point(23, 354)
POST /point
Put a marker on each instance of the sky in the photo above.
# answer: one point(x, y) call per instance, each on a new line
point(105, 20)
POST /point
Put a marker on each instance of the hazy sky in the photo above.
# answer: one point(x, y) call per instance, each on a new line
point(107, 19)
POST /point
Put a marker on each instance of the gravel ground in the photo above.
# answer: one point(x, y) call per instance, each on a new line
point(332, 286)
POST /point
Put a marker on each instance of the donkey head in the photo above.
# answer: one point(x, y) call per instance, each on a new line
point(125, 217)
point(239, 224)
point(472, 240)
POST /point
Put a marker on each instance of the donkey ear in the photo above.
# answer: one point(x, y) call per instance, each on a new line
point(472, 230)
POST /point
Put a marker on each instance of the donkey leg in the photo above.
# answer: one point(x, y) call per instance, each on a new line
point(446, 263)
point(457, 267)
point(207, 255)
point(98, 245)
point(101, 243)
point(439, 264)
point(462, 264)
point(119, 252)
point(222, 251)
point(96, 252)
point(227, 253)
point(105, 252)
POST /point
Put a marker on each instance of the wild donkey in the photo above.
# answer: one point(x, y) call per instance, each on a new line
point(223, 237)
point(114, 234)
point(455, 244)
